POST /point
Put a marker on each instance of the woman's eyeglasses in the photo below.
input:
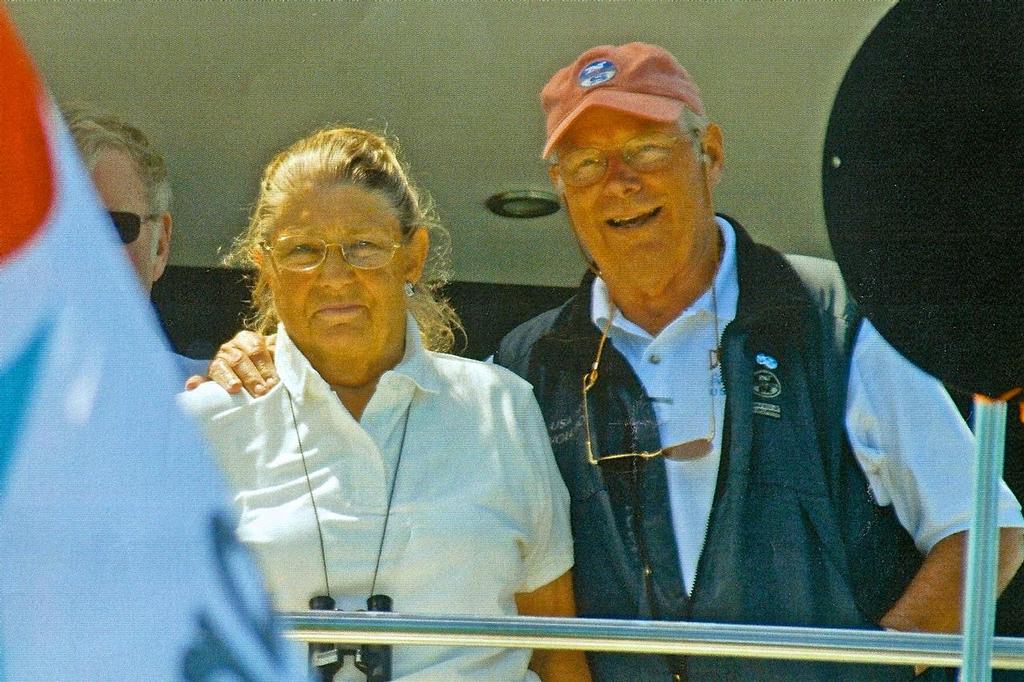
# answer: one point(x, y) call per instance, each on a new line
point(300, 253)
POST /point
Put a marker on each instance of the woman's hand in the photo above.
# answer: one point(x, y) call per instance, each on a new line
point(246, 361)
point(554, 599)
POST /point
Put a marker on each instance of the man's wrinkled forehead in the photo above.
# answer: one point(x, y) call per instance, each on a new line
point(608, 129)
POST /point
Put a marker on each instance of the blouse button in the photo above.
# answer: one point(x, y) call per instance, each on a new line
point(655, 358)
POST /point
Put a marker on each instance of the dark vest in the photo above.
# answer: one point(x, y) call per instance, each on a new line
point(795, 537)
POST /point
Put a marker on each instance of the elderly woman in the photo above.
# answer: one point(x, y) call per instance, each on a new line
point(378, 465)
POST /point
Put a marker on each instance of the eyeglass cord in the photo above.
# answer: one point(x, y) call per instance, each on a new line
point(714, 362)
point(312, 498)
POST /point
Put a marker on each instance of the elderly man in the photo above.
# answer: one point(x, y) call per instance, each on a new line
point(131, 180)
point(739, 444)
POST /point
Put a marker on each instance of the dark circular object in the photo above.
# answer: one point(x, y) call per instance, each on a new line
point(923, 180)
point(378, 602)
point(525, 203)
point(321, 603)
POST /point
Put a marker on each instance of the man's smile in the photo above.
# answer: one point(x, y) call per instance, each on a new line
point(635, 220)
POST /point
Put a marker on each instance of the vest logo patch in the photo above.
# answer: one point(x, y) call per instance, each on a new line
point(766, 384)
point(768, 410)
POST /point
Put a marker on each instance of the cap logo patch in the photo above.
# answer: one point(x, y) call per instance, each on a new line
point(597, 72)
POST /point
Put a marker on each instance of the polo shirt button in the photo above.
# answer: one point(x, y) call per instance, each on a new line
point(655, 358)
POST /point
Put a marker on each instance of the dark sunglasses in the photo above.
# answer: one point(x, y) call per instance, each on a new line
point(127, 224)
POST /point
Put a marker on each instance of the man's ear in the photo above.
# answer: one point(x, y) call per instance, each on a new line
point(556, 179)
point(713, 154)
point(163, 247)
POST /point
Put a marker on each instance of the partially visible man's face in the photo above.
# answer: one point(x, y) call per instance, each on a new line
point(120, 187)
point(654, 220)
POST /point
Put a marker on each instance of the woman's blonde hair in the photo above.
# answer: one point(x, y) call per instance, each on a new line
point(350, 156)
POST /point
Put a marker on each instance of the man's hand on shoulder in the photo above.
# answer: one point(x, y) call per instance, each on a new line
point(246, 361)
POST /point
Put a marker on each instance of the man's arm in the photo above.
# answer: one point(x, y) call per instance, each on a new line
point(932, 601)
point(246, 361)
point(917, 452)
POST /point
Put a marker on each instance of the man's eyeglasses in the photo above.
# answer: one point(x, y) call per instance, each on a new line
point(680, 452)
point(648, 152)
point(128, 224)
point(299, 253)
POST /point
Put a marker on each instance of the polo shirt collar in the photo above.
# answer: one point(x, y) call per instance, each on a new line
point(302, 380)
point(417, 364)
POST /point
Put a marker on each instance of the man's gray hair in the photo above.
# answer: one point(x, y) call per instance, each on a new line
point(96, 132)
point(694, 124)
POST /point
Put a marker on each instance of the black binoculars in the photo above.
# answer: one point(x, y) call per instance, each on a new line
point(373, 660)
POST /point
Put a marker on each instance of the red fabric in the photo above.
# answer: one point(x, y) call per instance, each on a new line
point(26, 175)
point(637, 78)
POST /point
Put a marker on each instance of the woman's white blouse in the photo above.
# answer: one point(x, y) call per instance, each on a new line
point(479, 513)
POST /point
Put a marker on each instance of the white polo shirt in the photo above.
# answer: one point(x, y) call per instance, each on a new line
point(479, 513)
point(909, 439)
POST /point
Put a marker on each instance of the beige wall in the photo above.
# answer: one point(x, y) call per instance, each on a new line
point(222, 85)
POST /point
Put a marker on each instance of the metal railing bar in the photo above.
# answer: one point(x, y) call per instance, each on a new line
point(647, 637)
point(979, 607)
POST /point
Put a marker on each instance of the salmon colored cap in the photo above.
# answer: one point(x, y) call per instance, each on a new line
point(635, 78)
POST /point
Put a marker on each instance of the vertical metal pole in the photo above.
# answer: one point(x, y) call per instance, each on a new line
point(979, 614)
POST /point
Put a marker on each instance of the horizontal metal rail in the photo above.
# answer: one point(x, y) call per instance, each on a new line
point(646, 637)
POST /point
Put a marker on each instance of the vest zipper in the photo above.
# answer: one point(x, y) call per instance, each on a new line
point(723, 463)
point(700, 558)
point(683, 661)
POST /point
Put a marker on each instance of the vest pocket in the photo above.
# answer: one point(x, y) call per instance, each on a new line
point(780, 561)
point(883, 561)
point(791, 563)
point(604, 572)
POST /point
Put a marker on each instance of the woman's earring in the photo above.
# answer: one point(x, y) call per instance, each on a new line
point(409, 291)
